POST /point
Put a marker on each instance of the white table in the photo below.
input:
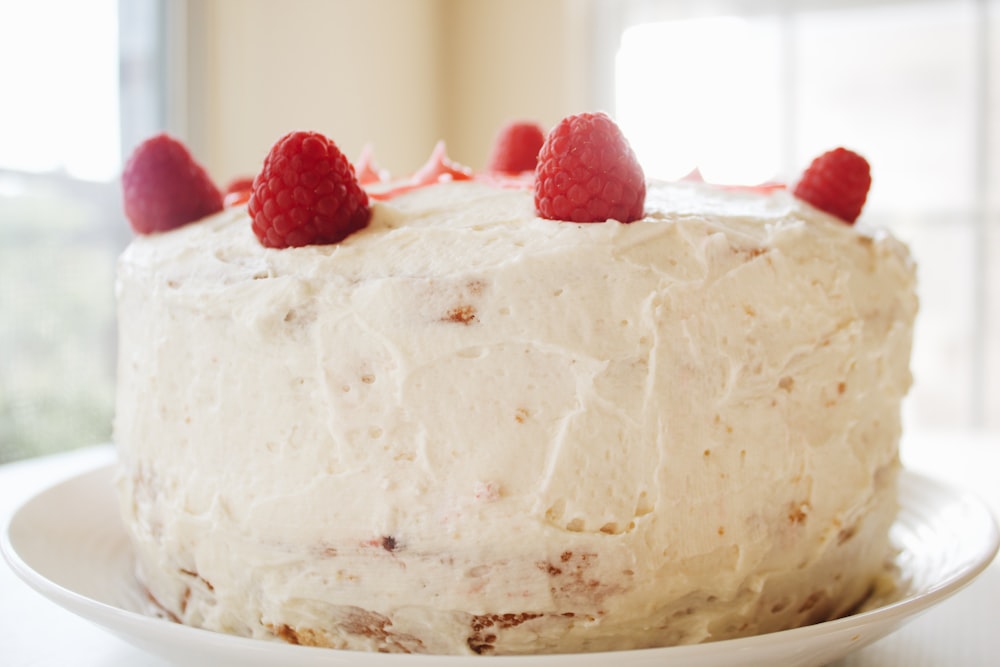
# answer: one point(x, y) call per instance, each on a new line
point(964, 631)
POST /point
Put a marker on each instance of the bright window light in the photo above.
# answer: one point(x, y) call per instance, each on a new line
point(59, 67)
point(702, 93)
point(909, 85)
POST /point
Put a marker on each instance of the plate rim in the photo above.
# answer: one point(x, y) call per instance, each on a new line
point(114, 618)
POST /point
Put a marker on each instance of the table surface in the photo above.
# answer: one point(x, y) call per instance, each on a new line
point(963, 631)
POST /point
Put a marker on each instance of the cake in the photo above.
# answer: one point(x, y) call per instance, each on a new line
point(465, 428)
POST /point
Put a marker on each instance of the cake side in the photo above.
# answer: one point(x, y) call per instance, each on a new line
point(465, 428)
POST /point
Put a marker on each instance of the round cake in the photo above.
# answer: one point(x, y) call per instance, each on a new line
point(466, 428)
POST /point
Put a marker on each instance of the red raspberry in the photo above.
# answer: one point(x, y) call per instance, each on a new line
point(306, 194)
point(836, 182)
point(516, 147)
point(164, 188)
point(587, 172)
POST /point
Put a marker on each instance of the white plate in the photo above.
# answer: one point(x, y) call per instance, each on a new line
point(69, 544)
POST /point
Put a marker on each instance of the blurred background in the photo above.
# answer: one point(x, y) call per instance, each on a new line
point(745, 91)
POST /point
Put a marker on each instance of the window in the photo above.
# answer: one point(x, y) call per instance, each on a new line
point(78, 80)
point(752, 91)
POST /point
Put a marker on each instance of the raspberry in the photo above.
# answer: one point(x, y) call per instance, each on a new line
point(306, 194)
point(587, 172)
point(516, 147)
point(836, 182)
point(164, 188)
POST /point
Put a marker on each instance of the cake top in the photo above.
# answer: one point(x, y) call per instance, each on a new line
point(468, 227)
point(308, 193)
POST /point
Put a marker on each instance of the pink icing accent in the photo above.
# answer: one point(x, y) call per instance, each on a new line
point(394, 192)
point(767, 187)
point(365, 167)
point(233, 199)
point(694, 175)
point(764, 188)
point(437, 169)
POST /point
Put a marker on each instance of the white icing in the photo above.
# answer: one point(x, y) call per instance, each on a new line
point(669, 431)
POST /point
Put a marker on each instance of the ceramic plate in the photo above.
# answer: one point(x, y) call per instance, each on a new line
point(69, 544)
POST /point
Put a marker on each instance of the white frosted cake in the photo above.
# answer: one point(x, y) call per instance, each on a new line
point(468, 429)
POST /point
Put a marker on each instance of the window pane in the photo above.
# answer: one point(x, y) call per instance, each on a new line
point(56, 315)
point(896, 82)
point(911, 85)
point(943, 358)
point(59, 67)
point(991, 399)
point(61, 221)
point(992, 96)
point(703, 93)
point(991, 406)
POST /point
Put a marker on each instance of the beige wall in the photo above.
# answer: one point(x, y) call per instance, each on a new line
point(511, 59)
point(400, 74)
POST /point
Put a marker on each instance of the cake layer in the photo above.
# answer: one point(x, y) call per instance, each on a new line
point(466, 428)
